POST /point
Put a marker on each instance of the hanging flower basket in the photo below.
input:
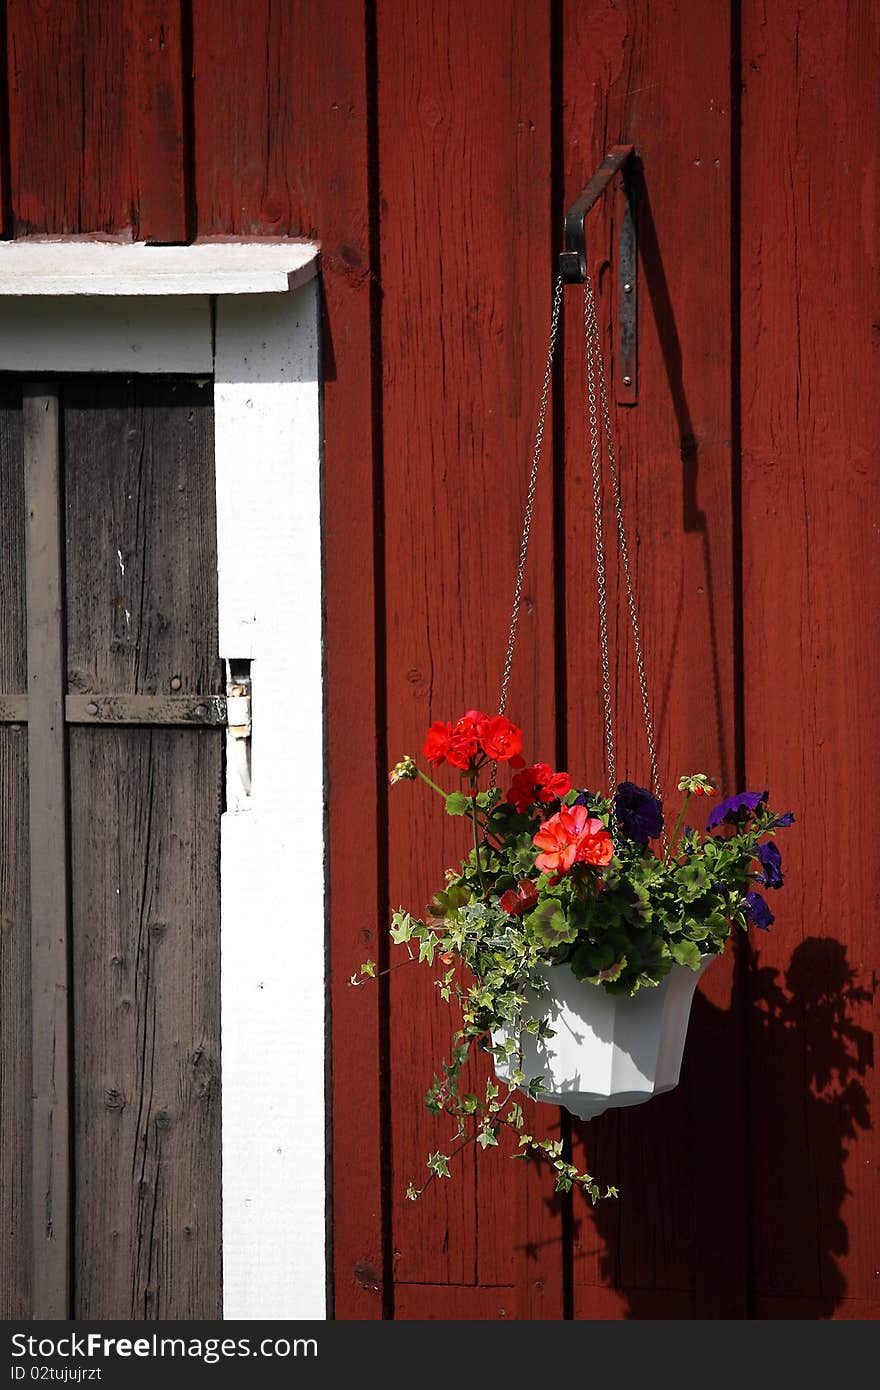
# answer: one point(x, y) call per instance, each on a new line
point(606, 1050)
point(571, 938)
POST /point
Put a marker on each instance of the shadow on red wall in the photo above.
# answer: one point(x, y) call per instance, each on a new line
point(801, 1021)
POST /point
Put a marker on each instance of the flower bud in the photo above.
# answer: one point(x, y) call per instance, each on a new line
point(405, 771)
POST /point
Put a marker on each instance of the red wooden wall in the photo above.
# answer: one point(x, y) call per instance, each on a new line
point(432, 148)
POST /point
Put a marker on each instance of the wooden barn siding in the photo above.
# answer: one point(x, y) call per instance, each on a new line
point(402, 130)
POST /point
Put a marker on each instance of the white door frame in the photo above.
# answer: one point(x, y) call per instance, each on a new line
point(247, 314)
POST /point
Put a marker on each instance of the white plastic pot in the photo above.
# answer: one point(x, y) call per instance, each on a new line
point(608, 1050)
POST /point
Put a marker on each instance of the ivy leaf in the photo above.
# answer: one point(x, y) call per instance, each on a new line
point(412, 1194)
point(536, 1086)
point(401, 927)
point(438, 1164)
point(427, 947)
point(486, 1138)
point(369, 968)
point(457, 804)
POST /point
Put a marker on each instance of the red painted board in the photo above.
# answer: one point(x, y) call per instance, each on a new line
point(464, 167)
point(282, 148)
point(96, 123)
point(660, 78)
point(811, 573)
point(454, 1302)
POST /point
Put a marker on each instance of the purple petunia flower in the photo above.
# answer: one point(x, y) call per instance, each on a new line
point(770, 860)
point(583, 798)
point(736, 808)
point(781, 822)
point(758, 912)
point(639, 814)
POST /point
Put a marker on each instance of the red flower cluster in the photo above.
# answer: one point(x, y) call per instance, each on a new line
point(472, 739)
point(519, 900)
point(537, 785)
point(572, 837)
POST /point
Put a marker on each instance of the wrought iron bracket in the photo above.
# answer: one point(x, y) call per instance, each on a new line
point(573, 263)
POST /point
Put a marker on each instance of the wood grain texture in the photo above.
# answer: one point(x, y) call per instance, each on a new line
point(141, 566)
point(145, 808)
point(47, 834)
point(465, 317)
point(811, 499)
point(15, 1051)
point(301, 132)
point(662, 80)
point(107, 82)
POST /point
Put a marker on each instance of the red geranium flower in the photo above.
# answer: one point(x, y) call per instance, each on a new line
point(571, 837)
point(519, 900)
point(537, 784)
point(501, 740)
point(437, 743)
point(465, 743)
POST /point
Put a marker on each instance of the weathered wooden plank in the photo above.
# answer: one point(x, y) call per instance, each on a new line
point(50, 1134)
point(811, 576)
point(145, 709)
point(96, 115)
point(662, 81)
point(13, 708)
point(145, 807)
point(141, 567)
point(465, 321)
point(307, 171)
point(15, 1002)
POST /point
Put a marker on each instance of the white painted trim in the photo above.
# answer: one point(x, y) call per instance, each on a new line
point(272, 870)
point(267, 429)
point(50, 267)
point(125, 334)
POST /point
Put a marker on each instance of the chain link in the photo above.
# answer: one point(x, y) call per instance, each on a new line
point(595, 356)
point(530, 495)
point(595, 376)
point(593, 368)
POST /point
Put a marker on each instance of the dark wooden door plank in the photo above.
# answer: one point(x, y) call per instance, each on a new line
point(50, 1174)
point(141, 549)
point(144, 852)
point(145, 806)
point(15, 1048)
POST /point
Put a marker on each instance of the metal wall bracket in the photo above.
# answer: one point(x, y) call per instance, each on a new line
point(573, 262)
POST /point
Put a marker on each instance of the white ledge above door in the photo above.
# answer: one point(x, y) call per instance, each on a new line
point(77, 266)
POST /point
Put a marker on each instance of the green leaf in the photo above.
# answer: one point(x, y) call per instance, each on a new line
point(412, 1194)
point(438, 1164)
point(536, 1086)
point(486, 1138)
point(401, 927)
point(686, 953)
point(457, 804)
point(369, 968)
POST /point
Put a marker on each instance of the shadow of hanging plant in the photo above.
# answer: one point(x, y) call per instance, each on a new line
point(802, 1028)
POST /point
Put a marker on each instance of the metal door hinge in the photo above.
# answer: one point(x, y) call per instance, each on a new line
point(238, 734)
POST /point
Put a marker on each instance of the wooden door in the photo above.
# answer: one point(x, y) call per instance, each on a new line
point(109, 886)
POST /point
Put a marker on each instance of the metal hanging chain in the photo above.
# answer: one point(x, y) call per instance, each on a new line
point(530, 496)
point(595, 368)
point(594, 374)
